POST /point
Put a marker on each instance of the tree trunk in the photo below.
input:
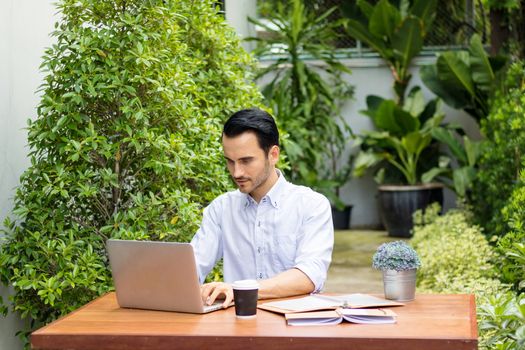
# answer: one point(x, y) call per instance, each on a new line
point(499, 30)
point(520, 30)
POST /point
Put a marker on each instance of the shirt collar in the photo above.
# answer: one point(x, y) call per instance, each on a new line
point(273, 195)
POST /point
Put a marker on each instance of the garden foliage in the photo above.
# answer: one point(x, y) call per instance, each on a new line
point(395, 30)
point(453, 253)
point(502, 154)
point(512, 245)
point(126, 143)
point(456, 258)
point(305, 86)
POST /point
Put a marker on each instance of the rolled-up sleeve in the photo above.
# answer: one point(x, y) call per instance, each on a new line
point(316, 241)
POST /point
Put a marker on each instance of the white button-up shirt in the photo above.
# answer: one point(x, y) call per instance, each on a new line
point(291, 227)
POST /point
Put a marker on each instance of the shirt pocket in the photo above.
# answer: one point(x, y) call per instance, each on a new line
point(284, 252)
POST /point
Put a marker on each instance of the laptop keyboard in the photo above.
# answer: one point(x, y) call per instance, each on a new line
point(213, 307)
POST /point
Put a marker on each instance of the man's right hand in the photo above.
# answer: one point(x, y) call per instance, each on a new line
point(212, 291)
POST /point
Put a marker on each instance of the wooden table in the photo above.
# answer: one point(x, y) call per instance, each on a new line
point(431, 322)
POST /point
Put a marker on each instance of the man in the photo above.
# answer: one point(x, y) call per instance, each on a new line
point(269, 229)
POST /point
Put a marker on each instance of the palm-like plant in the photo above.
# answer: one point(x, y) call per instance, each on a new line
point(396, 33)
point(465, 79)
point(305, 91)
point(402, 135)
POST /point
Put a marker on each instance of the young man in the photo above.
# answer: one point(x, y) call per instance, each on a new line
point(269, 229)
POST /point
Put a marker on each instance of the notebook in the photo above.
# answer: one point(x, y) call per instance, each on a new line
point(316, 302)
point(332, 317)
point(156, 276)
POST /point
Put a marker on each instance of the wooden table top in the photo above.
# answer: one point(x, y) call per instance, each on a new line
point(430, 322)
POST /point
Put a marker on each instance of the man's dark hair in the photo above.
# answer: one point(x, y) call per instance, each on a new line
point(257, 121)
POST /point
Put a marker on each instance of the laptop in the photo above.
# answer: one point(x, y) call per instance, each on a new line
point(156, 276)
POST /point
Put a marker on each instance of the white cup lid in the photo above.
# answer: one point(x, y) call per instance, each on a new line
point(245, 284)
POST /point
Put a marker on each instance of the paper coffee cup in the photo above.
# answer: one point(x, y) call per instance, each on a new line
point(245, 295)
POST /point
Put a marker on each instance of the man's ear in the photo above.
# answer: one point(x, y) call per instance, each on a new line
point(273, 154)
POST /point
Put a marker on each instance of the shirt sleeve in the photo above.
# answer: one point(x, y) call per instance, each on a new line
point(207, 242)
point(316, 241)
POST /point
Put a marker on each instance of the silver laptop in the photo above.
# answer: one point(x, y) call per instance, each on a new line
point(156, 276)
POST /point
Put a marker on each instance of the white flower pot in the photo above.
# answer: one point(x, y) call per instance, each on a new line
point(400, 285)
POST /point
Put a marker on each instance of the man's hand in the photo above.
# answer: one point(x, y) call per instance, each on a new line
point(210, 292)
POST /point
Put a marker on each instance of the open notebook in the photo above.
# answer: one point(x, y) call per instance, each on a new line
point(317, 302)
point(332, 317)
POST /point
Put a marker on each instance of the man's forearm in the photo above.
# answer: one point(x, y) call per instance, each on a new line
point(285, 284)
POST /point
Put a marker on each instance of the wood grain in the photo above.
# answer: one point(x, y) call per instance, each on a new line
point(431, 322)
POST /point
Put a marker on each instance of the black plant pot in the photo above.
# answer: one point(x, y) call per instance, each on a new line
point(398, 203)
point(341, 218)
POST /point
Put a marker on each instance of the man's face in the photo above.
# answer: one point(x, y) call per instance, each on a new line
point(248, 164)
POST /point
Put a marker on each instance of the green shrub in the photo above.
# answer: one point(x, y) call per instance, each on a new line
point(502, 321)
point(512, 245)
point(456, 258)
point(126, 143)
point(502, 154)
point(453, 253)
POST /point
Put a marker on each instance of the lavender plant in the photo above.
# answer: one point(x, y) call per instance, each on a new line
point(397, 256)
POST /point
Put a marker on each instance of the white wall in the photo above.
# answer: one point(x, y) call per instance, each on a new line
point(24, 32)
point(237, 11)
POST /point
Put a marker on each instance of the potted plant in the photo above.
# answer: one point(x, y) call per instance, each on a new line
point(398, 261)
point(402, 147)
point(403, 153)
point(306, 88)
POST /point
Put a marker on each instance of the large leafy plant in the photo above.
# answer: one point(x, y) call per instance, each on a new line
point(465, 79)
point(395, 30)
point(502, 154)
point(401, 137)
point(306, 88)
point(126, 143)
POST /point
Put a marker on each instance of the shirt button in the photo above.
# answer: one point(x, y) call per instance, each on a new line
point(259, 250)
point(260, 275)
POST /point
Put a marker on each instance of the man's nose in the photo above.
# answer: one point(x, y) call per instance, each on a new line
point(238, 171)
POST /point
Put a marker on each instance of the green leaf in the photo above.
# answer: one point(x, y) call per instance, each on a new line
point(463, 178)
point(426, 11)
point(364, 161)
point(415, 142)
point(472, 150)
point(429, 76)
point(454, 73)
point(359, 32)
point(408, 41)
point(482, 73)
point(433, 173)
point(447, 137)
point(384, 19)
point(415, 102)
